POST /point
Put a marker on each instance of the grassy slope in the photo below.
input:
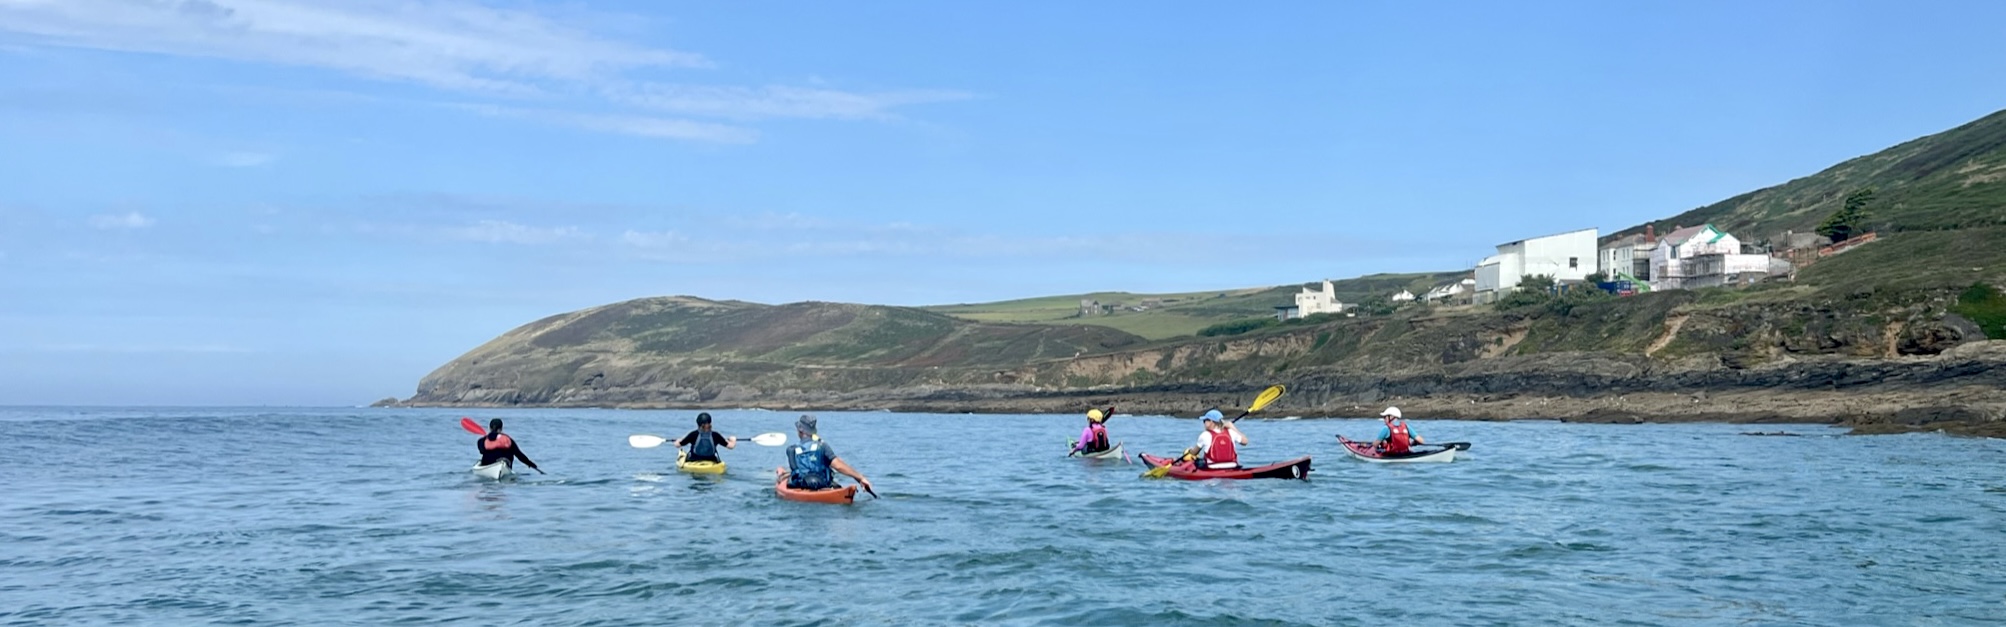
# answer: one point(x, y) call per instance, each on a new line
point(1189, 311)
point(1951, 180)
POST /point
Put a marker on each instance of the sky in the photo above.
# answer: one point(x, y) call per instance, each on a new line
point(281, 202)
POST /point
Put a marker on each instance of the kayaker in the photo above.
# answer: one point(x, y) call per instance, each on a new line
point(498, 447)
point(1094, 439)
point(809, 463)
point(1215, 446)
point(1395, 438)
point(703, 442)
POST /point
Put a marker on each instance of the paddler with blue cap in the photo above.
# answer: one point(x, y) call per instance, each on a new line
point(1216, 445)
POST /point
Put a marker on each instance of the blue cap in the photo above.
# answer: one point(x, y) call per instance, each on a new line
point(1213, 414)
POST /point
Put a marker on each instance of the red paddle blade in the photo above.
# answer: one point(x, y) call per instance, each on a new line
point(471, 426)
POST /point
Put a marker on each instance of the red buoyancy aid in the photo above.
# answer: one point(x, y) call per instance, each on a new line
point(1221, 451)
point(1100, 442)
point(496, 442)
point(1398, 442)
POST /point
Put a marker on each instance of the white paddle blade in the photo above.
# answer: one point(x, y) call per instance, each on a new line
point(770, 439)
point(644, 441)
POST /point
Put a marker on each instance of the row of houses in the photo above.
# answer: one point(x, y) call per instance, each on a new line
point(1686, 258)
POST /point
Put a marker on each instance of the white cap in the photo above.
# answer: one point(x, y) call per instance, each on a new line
point(1390, 411)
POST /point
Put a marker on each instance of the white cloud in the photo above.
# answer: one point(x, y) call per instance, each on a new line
point(652, 239)
point(640, 126)
point(244, 159)
point(450, 44)
point(458, 45)
point(125, 221)
point(503, 232)
point(776, 101)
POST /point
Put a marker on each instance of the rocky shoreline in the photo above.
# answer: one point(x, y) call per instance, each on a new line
point(1974, 411)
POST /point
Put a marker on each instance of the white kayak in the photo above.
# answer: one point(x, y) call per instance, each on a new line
point(1365, 452)
point(495, 470)
point(1112, 452)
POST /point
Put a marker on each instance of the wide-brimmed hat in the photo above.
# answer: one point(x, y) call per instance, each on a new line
point(805, 424)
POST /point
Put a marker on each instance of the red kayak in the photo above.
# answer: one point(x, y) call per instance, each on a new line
point(842, 495)
point(1297, 468)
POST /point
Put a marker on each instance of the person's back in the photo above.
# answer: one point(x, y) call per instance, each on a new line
point(499, 447)
point(808, 465)
point(703, 442)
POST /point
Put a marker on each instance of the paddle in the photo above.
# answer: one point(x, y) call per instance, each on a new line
point(1267, 397)
point(1460, 446)
point(641, 440)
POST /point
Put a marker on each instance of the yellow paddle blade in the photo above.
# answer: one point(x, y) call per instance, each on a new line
point(1267, 396)
point(1158, 472)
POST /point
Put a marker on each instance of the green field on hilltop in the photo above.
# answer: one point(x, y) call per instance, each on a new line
point(1182, 314)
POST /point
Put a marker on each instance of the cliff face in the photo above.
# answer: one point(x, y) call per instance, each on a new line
point(1896, 362)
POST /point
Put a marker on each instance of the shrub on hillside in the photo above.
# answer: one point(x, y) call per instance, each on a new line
point(1237, 327)
point(1984, 305)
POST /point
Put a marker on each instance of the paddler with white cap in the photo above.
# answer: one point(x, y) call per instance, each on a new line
point(1395, 438)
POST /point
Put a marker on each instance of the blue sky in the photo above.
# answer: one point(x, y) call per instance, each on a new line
point(289, 202)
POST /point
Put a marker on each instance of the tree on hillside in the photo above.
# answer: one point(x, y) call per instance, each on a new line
point(1851, 219)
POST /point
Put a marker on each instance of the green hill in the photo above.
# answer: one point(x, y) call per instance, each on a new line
point(1951, 180)
point(1888, 335)
point(1163, 316)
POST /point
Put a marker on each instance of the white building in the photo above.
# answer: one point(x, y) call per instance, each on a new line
point(1451, 291)
point(1310, 303)
point(1628, 257)
point(1566, 256)
point(1403, 297)
point(1703, 256)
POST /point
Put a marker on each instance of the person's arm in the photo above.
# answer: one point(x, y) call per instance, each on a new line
point(1086, 436)
point(844, 467)
point(730, 442)
point(1238, 435)
point(688, 439)
point(517, 451)
point(1416, 437)
point(1385, 433)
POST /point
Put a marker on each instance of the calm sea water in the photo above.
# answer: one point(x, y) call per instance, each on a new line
point(368, 516)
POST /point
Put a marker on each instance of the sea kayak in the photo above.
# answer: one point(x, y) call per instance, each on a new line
point(840, 495)
point(495, 470)
point(1365, 452)
point(1297, 468)
point(1113, 452)
point(697, 468)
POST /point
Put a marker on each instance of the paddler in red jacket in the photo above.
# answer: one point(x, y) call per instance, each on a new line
point(1216, 445)
point(1395, 438)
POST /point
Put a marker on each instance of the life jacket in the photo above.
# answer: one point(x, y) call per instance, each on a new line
point(496, 442)
point(1221, 451)
point(806, 468)
point(1398, 442)
point(1099, 442)
point(705, 447)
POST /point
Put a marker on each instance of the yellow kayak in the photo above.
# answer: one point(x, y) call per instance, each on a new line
point(697, 468)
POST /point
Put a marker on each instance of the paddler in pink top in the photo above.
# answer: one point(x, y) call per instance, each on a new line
point(1094, 439)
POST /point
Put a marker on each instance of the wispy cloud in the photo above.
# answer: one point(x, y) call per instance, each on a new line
point(454, 45)
point(121, 221)
point(652, 239)
point(640, 126)
point(777, 101)
point(504, 232)
point(503, 54)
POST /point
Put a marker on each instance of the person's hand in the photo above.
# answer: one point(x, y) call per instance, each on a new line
point(867, 485)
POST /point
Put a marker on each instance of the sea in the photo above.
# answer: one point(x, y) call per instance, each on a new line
point(364, 516)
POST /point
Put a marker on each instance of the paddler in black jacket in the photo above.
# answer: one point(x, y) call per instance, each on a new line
point(497, 446)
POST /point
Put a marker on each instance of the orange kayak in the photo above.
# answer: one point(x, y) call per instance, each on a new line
point(842, 495)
